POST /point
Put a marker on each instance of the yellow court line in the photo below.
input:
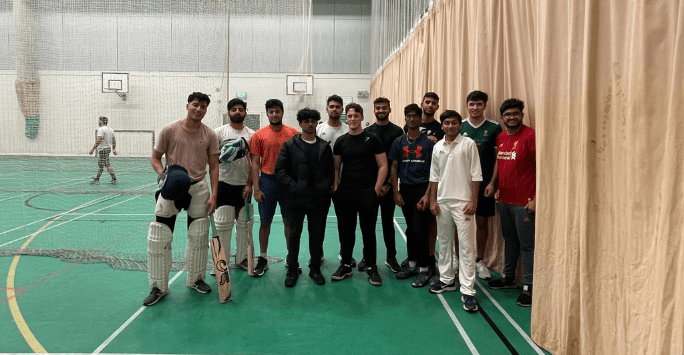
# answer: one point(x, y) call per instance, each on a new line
point(12, 299)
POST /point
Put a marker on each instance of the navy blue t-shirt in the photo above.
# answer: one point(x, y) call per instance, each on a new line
point(413, 159)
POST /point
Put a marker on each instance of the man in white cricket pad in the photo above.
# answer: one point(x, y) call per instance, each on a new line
point(189, 145)
point(235, 181)
point(329, 131)
point(484, 133)
point(105, 143)
point(455, 177)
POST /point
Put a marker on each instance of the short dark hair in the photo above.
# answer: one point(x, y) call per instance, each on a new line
point(104, 119)
point(450, 114)
point(308, 114)
point(477, 96)
point(236, 101)
point(512, 103)
point(199, 97)
point(380, 100)
point(354, 106)
point(431, 95)
point(273, 103)
point(334, 98)
point(413, 108)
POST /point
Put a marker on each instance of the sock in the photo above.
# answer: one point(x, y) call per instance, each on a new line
point(113, 177)
point(412, 263)
point(424, 269)
point(263, 255)
point(97, 177)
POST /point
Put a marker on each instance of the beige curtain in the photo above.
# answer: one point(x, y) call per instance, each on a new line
point(603, 82)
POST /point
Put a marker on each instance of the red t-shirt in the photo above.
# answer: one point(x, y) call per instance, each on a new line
point(267, 143)
point(517, 166)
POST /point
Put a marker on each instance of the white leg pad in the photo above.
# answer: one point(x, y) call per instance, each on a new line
point(196, 253)
point(225, 220)
point(159, 254)
point(241, 234)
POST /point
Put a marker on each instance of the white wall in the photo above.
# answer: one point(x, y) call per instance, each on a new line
point(71, 102)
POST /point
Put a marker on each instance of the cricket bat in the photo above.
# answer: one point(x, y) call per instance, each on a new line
point(250, 240)
point(218, 254)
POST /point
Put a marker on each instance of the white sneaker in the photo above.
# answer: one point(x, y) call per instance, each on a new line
point(482, 271)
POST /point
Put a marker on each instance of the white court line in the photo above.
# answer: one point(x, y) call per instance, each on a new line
point(68, 183)
point(458, 325)
point(129, 321)
point(87, 204)
point(510, 319)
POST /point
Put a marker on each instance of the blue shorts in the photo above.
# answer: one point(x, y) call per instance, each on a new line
point(269, 186)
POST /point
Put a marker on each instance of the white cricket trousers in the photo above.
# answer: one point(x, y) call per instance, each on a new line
point(450, 219)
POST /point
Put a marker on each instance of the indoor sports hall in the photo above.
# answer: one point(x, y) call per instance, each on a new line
point(603, 89)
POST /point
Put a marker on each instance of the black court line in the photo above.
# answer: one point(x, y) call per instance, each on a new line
point(498, 332)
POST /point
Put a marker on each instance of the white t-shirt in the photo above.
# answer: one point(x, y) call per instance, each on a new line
point(107, 135)
point(454, 167)
point(237, 171)
point(330, 134)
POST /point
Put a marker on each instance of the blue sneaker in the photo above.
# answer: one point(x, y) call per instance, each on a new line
point(469, 303)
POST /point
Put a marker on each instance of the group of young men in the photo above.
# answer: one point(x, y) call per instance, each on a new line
point(443, 175)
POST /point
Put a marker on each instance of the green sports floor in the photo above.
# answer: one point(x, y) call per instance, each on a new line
point(72, 260)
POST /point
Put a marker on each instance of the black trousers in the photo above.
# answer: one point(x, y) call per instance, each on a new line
point(417, 223)
point(316, 218)
point(364, 203)
point(387, 205)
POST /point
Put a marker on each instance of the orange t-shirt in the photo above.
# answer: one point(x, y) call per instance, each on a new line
point(267, 143)
point(190, 151)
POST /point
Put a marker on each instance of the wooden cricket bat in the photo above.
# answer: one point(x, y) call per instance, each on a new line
point(218, 254)
point(250, 241)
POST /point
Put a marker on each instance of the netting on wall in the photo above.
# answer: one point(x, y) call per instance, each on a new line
point(64, 63)
point(392, 22)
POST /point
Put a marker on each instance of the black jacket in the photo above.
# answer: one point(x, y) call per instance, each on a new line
point(292, 172)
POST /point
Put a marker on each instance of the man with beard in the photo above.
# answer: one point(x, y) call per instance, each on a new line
point(235, 181)
point(189, 145)
point(305, 171)
point(387, 132)
point(329, 131)
point(515, 178)
point(360, 172)
point(411, 157)
point(484, 133)
point(265, 148)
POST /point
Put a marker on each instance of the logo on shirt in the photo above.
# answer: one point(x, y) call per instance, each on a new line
point(418, 151)
point(367, 138)
point(486, 134)
point(515, 145)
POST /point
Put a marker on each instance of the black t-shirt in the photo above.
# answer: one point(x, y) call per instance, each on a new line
point(433, 128)
point(359, 168)
point(387, 133)
point(311, 157)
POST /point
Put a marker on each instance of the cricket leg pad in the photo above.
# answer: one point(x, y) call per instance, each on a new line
point(159, 240)
point(196, 252)
point(224, 218)
point(241, 234)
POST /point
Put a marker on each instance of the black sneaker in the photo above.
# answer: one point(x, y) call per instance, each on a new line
point(201, 286)
point(154, 296)
point(373, 276)
point(114, 181)
point(441, 287)
point(261, 267)
point(405, 263)
point(342, 272)
point(407, 272)
point(469, 303)
point(242, 265)
point(393, 265)
point(315, 274)
point(525, 298)
point(95, 181)
point(423, 279)
point(353, 261)
point(291, 277)
point(435, 274)
point(503, 282)
point(299, 268)
point(362, 265)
